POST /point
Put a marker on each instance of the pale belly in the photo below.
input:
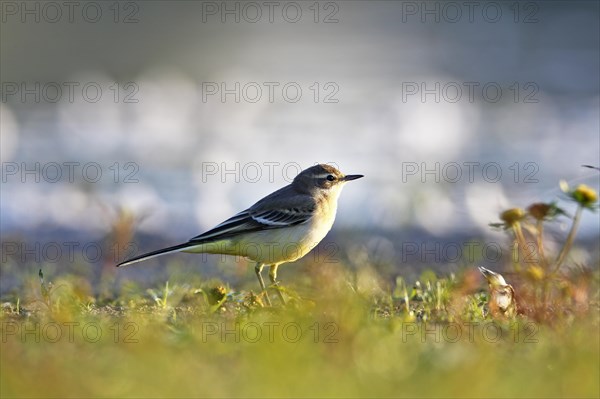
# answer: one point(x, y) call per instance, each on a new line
point(273, 246)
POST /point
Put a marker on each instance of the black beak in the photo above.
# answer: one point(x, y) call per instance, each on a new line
point(352, 177)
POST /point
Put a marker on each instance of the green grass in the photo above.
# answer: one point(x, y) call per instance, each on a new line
point(349, 339)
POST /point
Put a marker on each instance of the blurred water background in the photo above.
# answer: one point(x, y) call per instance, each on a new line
point(175, 115)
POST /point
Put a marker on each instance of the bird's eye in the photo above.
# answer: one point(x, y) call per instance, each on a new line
point(330, 177)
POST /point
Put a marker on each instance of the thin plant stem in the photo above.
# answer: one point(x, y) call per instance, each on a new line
point(520, 244)
point(570, 238)
point(540, 244)
point(544, 262)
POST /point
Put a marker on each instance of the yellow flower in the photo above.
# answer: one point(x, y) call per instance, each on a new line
point(512, 216)
point(585, 195)
point(535, 273)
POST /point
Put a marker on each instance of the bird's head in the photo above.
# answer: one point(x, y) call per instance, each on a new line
point(322, 177)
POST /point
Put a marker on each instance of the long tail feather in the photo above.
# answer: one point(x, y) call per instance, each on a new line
point(153, 254)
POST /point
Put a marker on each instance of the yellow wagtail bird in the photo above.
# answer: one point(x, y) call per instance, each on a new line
point(282, 227)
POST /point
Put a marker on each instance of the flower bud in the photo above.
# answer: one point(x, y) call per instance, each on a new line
point(512, 216)
point(585, 195)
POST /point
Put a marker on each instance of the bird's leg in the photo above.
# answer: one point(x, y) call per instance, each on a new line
point(258, 269)
point(273, 277)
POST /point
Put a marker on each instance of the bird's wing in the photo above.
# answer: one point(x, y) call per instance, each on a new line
point(274, 218)
point(271, 212)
